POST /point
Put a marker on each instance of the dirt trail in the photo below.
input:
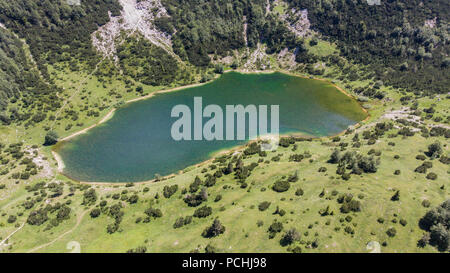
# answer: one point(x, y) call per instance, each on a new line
point(3, 243)
point(79, 219)
point(79, 87)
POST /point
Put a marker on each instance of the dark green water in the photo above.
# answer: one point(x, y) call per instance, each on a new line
point(136, 143)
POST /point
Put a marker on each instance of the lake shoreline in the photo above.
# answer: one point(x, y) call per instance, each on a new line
point(237, 148)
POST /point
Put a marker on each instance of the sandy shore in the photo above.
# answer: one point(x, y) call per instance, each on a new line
point(166, 91)
point(234, 149)
point(103, 120)
point(59, 161)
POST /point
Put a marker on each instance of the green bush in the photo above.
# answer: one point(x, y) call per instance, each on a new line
point(51, 138)
point(432, 176)
point(11, 219)
point(263, 206)
point(391, 232)
point(214, 230)
point(281, 186)
point(168, 191)
point(203, 212)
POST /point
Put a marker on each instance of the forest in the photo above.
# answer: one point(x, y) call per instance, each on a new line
point(217, 27)
point(20, 82)
point(55, 30)
point(391, 37)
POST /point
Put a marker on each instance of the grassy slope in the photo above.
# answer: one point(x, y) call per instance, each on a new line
point(241, 213)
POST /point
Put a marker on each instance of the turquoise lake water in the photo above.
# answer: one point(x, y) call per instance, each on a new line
point(136, 143)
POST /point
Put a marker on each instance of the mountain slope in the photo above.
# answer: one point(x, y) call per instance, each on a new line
point(405, 42)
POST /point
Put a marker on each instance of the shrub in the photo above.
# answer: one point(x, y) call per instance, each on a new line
point(346, 176)
point(275, 227)
point(440, 236)
point(11, 219)
point(349, 230)
point(291, 236)
point(89, 197)
point(434, 150)
point(335, 157)
point(403, 222)
point(194, 200)
point(322, 193)
point(281, 186)
point(424, 240)
point(51, 138)
point(179, 223)
point(299, 192)
point(210, 181)
point(435, 222)
point(155, 213)
point(140, 249)
point(444, 160)
point(420, 157)
point(296, 249)
point(133, 199)
point(263, 206)
point(37, 217)
point(396, 196)
point(294, 177)
point(214, 230)
point(195, 185)
point(325, 212)
point(112, 228)
point(421, 169)
point(352, 205)
point(168, 191)
point(296, 157)
point(218, 198)
point(279, 211)
point(95, 213)
point(432, 176)
point(203, 212)
point(218, 69)
point(210, 249)
point(187, 220)
point(391, 232)
point(426, 203)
